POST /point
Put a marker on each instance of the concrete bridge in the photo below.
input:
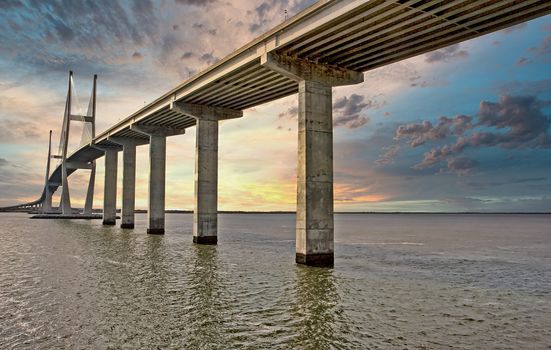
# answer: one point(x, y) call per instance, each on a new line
point(328, 44)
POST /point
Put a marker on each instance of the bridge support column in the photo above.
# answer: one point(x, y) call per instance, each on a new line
point(110, 187)
point(128, 185)
point(128, 176)
point(205, 218)
point(314, 218)
point(157, 173)
point(205, 214)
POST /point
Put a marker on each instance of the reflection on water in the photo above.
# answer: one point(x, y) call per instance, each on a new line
point(466, 282)
point(316, 308)
point(204, 305)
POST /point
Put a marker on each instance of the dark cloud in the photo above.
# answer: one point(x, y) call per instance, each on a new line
point(523, 119)
point(461, 165)
point(522, 61)
point(450, 53)
point(187, 55)
point(3, 162)
point(291, 113)
point(515, 122)
point(88, 32)
point(201, 26)
point(208, 58)
point(348, 109)
point(418, 133)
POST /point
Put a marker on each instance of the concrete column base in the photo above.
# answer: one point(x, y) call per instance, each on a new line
point(205, 239)
point(319, 260)
point(127, 225)
point(156, 231)
point(109, 222)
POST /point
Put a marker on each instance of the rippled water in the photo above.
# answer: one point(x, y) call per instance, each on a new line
point(400, 281)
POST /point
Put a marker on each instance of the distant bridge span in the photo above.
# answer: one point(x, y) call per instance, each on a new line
point(328, 44)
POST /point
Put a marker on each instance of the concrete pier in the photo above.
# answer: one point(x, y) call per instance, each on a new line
point(110, 187)
point(205, 219)
point(128, 184)
point(314, 222)
point(205, 214)
point(157, 171)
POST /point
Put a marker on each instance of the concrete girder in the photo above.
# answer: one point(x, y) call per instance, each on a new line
point(205, 112)
point(299, 70)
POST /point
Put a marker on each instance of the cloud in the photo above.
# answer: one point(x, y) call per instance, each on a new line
point(348, 111)
point(515, 122)
point(419, 133)
point(523, 119)
point(290, 114)
point(388, 156)
point(523, 61)
point(544, 48)
point(137, 55)
point(208, 58)
point(461, 165)
point(3, 162)
point(450, 53)
point(17, 130)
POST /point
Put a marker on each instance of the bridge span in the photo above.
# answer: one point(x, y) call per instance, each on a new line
point(328, 44)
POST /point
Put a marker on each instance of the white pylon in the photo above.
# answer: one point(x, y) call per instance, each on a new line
point(64, 143)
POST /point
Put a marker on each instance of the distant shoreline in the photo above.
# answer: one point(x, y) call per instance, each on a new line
point(359, 212)
point(176, 211)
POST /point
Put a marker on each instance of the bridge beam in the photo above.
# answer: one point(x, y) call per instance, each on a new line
point(314, 218)
point(157, 172)
point(128, 177)
point(205, 213)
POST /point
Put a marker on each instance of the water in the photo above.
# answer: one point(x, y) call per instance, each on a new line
point(399, 282)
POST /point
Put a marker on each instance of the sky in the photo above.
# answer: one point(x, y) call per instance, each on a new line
point(464, 128)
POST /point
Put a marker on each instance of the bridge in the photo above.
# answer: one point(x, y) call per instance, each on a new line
point(327, 45)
